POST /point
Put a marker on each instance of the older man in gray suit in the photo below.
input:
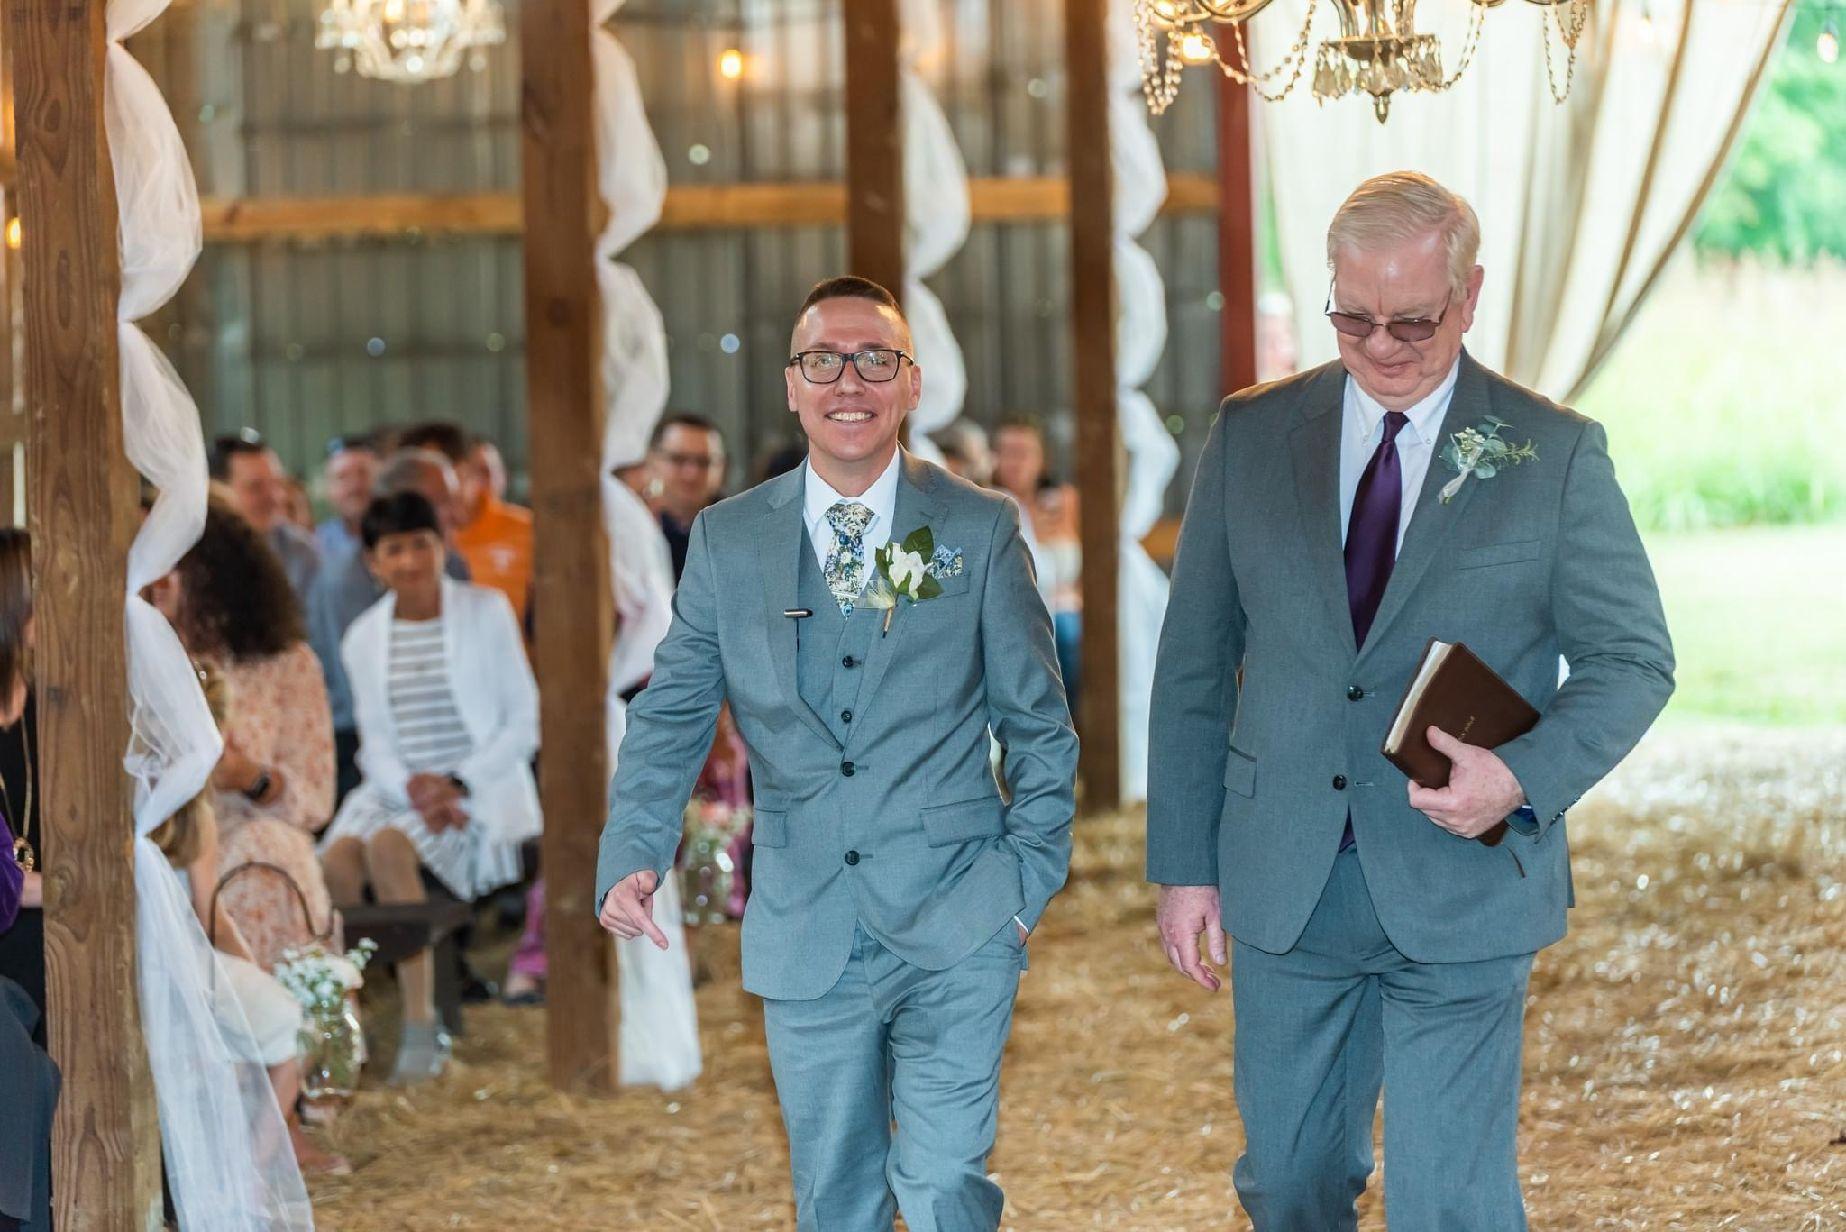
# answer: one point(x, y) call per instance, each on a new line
point(1384, 933)
point(894, 890)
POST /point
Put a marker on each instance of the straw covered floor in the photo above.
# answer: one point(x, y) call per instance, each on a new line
point(1685, 1063)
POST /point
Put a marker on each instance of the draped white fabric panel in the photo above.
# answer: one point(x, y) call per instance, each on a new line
point(1141, 336)
point(659, 1040)
point(936, 220)
point(227, 1151)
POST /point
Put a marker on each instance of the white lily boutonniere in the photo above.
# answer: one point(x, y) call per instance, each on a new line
point(1480, 452)
point(909, 570)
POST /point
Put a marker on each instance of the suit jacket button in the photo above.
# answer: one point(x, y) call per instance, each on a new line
point(846, 768)
point(845, 716)
point(1339, 782)
point(1354, 693)
point(852, 857)
point(849, 661)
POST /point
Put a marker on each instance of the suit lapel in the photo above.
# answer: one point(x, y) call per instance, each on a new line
point(1431, 524)
point(786, 537)
point(1315, 444)
point(917, 505)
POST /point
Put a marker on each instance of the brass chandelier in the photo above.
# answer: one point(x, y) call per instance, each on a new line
point(1379, 51)
point(409, 41)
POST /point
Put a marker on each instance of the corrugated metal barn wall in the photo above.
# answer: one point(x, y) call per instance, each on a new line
point(307, 339)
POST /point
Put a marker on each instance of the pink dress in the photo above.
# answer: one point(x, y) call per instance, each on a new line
point(278, 716)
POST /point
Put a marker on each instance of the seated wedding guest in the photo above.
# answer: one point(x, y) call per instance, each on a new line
point(259, 492)
point(495, 538)
point(28, 1078)
point(348, 475)
point(273, 789)
point(22, 946)
point(448, 726)
point(495, 465)
point(1020, 470)
point(346, 588)
point(259, 1018)
point(301, 507)
point(29, 1093)
point(778, 461)
point(965, 452)
point(687, 458)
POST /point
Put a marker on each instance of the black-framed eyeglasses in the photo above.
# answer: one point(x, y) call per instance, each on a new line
point(874, 364)
point(1419, 329)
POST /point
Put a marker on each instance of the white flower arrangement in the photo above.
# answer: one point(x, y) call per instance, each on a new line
point(322, 981)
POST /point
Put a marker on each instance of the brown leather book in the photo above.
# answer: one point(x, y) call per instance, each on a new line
point(1452, 689)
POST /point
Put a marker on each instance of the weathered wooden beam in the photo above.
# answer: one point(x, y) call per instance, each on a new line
point(1099, 438)
point(312, 218)
point(1237, 278)
point(105, 1147)
point(689, 207)
point(571, 599)
point(874, 143)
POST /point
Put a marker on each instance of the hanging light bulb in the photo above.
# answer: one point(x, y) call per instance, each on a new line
point(1647, 24)
point(14, 234)
point(1827, 46)
point(731, 64)
point(1195, 48)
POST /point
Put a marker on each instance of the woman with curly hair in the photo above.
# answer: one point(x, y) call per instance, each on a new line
point(231, 603)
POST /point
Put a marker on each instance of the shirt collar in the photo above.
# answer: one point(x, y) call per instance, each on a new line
point(1425, 416)
point(880, 498)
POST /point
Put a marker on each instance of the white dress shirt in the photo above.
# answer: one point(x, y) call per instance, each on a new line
point(1362, 428)
point(880, 498)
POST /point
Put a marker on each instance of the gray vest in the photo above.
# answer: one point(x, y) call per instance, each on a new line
point(826, 643)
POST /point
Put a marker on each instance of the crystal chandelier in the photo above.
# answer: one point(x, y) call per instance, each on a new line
point(408, 41)
point(1379, 51)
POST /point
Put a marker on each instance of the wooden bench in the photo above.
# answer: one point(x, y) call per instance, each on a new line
point(402, 929)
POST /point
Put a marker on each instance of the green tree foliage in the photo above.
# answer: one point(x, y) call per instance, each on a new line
point(1783, 196)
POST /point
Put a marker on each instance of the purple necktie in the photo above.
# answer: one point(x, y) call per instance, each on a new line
point(1371, 534)
point(1371, 541)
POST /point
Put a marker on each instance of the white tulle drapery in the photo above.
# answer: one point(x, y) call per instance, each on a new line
point(936, 220)
point(1580, 203)
point(1140, 337)
point(228, 1157)
point(659, 1040)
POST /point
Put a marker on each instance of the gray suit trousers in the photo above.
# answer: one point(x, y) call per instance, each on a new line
point(1322, 1027)
point(895, 1041)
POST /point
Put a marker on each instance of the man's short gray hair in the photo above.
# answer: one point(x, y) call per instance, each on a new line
point(1407, 205)
point(408, 466)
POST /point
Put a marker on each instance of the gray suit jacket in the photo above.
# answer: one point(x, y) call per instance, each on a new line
point(1541, 560)
point(940, 862)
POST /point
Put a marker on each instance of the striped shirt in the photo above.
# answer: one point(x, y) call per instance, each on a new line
point(430, 734)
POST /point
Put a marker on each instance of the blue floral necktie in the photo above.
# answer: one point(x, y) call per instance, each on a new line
point(845, 566)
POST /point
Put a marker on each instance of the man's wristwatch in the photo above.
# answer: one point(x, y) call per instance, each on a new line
point(257, 790)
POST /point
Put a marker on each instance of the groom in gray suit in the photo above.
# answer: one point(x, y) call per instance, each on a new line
point(894, 890)
point(1384, 933)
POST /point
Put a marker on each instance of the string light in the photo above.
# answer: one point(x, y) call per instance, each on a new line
point(14, 234)
point(1827, 46)
point(731, 64)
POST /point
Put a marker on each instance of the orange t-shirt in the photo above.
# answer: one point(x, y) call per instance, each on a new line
point(498, 548)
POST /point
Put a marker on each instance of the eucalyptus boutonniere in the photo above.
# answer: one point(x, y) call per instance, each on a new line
point(909, 570)
point(1480, 452)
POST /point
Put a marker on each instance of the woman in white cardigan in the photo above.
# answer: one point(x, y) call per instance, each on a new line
point(448, 725)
